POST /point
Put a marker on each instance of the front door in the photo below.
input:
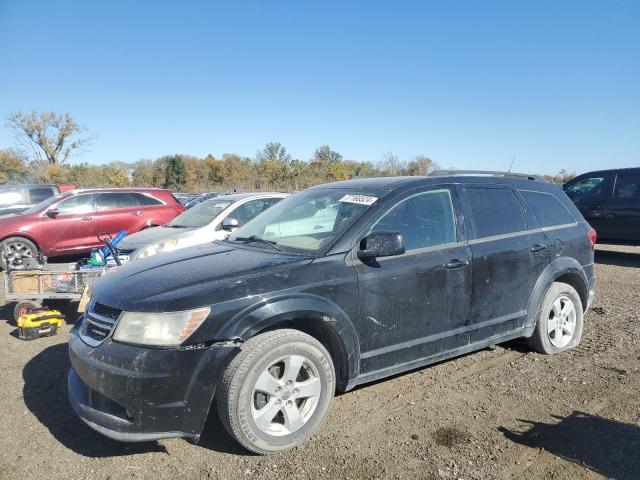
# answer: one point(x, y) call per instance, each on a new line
point(415, 305)
point(74, 228)
point(590, 193)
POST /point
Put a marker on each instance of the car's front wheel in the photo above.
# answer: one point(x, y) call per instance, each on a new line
point(15, 252)
point(277, 391)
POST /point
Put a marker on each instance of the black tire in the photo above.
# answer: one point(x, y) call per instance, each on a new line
point(542, 340)
point(28, 246)
point(25, 307)
point(236, 396)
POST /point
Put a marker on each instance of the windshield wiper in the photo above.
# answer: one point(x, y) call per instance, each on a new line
point(257, 239)
point(177, 226)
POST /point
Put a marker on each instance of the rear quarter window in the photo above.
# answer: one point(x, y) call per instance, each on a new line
point(145, 200)
point(493, 211)
point(548, 210)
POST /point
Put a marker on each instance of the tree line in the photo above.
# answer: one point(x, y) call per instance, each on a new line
point(48, 141)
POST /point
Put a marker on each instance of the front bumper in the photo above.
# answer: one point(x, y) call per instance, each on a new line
point(134, 394)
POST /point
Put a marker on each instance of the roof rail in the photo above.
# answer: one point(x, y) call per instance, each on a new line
point(442, 173)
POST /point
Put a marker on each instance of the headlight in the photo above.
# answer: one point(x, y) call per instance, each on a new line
point(155, 248)
point(159, 329)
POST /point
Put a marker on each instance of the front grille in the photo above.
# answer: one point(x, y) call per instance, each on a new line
point(98, 323)
point(126, 251)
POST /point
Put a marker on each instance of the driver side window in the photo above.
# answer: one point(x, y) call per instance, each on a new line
point(76, 205)
point(425, 220)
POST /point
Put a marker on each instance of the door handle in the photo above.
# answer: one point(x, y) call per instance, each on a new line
point(87, 217)
point(137, 214)
point(456, 263)
point(538, 247)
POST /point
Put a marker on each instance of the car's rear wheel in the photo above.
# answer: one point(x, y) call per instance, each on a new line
point(277, 391)
point(560, 320)
point(15, 251)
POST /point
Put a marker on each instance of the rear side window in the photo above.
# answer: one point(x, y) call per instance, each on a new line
point(145, 200)
point(424, 220)
point(113, 201)
point(547, 209)
point(41, 193)
point(627, 186)
point(494, 211)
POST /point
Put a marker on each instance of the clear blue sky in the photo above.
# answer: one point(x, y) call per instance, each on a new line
point(469, 83)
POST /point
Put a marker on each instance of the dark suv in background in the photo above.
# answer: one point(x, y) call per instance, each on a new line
point(333, 287)
point(610, 201)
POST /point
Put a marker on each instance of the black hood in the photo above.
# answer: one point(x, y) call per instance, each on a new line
point(190, 277)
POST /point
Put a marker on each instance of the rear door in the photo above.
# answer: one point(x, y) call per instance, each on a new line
point(508, 258)
point(118, 211)
point(74, 228)
point(622, 211)
point(590, 192)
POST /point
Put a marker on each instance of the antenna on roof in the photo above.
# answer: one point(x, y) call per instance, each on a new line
point(511, 164)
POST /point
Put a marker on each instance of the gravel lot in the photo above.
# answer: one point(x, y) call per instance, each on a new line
point(498, 413)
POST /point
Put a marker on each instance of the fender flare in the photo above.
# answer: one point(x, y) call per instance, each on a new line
point(300, 308)
point(555, 269)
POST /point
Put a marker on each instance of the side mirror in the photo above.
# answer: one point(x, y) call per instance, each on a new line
point(229, 224)
point(381, 244)
point(53, 213)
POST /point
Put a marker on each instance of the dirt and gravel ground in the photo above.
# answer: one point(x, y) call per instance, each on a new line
point(500, 413)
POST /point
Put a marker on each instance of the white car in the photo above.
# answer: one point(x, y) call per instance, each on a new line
point(210, 220)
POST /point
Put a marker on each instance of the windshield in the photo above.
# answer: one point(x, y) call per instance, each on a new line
point(43, 204)
point(199, 215)
point(308, 221)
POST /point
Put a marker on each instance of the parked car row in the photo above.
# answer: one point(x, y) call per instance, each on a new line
point(69, 223)
point(330, 288)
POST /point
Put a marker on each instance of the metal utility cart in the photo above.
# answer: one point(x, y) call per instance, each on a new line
point(30, 288)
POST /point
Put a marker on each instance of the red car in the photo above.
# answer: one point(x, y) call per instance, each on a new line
point(70, 222)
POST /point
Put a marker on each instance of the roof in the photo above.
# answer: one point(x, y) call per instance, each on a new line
point(386, 184)
point(612, 170)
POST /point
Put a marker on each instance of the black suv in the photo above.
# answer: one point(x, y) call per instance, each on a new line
point(610, 201)
point(333, 287)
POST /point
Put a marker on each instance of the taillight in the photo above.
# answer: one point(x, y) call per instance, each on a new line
point(593, 236)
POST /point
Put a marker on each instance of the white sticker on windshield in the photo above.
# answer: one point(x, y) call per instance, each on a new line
point(360, 199)
point(220, 205)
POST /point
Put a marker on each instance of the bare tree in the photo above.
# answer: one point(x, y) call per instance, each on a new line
point(392, 164)
point(50, 138)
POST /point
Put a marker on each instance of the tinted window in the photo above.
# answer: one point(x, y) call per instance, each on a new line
point(41, 193)
point(78, 204)
point(425, 220)
point(249, 210)
point(145, 200)
point(112, 201)
point(494, 211)
point(547, 209)
point(589, 187)
point(627, 186)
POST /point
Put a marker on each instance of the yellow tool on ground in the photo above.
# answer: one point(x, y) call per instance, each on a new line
point(39, 323)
